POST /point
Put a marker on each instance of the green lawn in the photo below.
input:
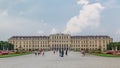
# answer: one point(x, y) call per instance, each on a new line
point(105, 55)
point(13, 55)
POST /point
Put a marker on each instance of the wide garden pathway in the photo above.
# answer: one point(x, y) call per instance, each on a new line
point(50, 60)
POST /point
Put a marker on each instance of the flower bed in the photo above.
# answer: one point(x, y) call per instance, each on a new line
point(113, 52)
point(6, 52)
point(110, 52)
point(13, 54)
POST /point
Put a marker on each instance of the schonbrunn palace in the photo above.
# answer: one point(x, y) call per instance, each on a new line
point(57, 41)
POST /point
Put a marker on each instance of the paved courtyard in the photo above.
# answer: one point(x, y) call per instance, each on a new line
point(50, 60)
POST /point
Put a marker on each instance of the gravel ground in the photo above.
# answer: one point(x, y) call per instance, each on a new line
point(50, 60)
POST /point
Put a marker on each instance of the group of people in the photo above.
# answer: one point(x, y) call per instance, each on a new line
point(61, 52)
point(41, 52)
point(83, 52)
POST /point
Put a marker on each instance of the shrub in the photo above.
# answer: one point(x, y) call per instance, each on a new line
point(4, 53)
point(110, 52)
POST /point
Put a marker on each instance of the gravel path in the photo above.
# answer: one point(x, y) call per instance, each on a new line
point(50, 60)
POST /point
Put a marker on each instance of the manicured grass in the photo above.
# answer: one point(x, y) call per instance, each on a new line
point(105, 55)
point(13, 55)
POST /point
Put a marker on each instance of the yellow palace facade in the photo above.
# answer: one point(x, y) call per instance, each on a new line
point(57, 41)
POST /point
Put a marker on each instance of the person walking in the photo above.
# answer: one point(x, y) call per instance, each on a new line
point(83, 52)
point(54, 51)
point(62, 53)
point(39, 52)
point(43, 53)
point(66, 53)
point(35, 52)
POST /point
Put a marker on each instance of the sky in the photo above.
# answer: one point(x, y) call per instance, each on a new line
point(45, 17)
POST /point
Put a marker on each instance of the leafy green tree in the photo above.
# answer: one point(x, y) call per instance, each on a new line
point(113, 45)
point(4, 45)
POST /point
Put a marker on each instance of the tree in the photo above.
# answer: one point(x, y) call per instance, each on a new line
point(4, 45)
point(113, 46)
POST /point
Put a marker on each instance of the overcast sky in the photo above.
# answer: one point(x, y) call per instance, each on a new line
point(44, 17)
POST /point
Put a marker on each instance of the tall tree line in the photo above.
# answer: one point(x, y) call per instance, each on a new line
point(4, 45)
point(113, 46)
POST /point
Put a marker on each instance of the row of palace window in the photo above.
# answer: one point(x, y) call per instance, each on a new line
point(88, 48)
point(63, 45)
point(42, 42)
point(59, 41)
point(60, 37)
point(58, 45)
point(90, 38)
point(32, 45)
point(31, 38)
point(96, 41)
point(85, 45)
point(75, 41)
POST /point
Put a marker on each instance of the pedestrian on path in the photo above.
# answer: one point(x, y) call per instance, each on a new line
point(62, 53)
point(53, 51)
point(43, 53)
point(35, 52)
point(39, 52)
point(66, 53)
point(83, 52)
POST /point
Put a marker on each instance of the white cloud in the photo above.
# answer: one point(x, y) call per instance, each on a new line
point(117, 32)
point(4, 13)
point(53, 31)
point(19, 0)
point(89, 16)
point(10, 26)
point(41, 32)
point(84, 2)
